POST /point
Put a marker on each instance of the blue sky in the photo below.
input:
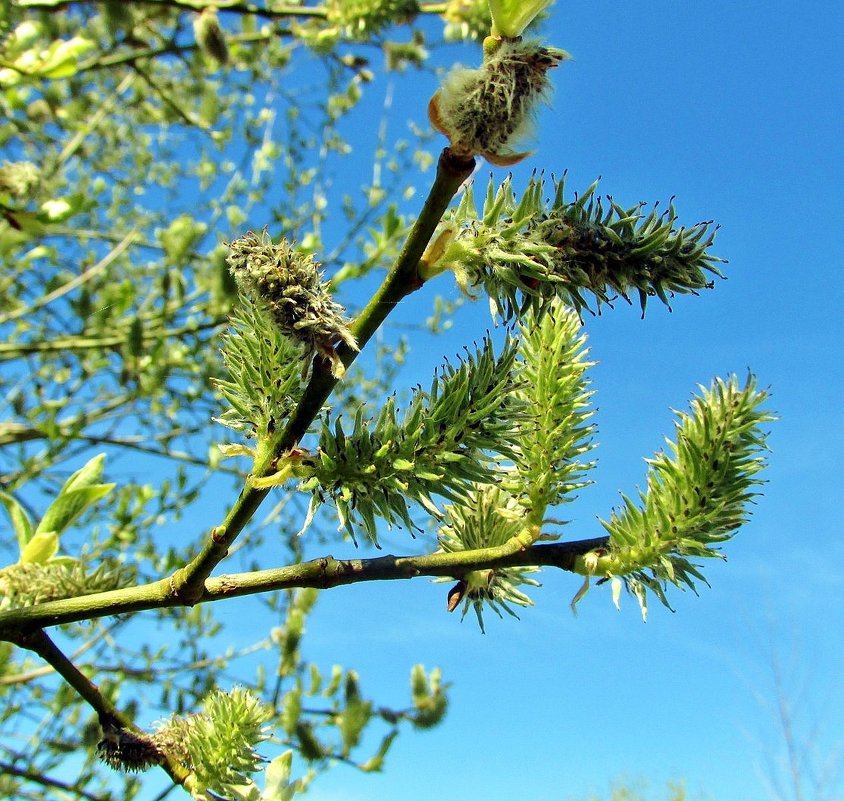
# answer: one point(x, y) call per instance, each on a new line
point(733, 108)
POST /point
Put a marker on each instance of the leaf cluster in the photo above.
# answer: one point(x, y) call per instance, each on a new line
point(336, 731)
point(41, 575)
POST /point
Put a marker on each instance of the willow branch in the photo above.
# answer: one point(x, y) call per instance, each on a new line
point(402, 280)
point(42, 779)
point(37, 641)
point(322, 573)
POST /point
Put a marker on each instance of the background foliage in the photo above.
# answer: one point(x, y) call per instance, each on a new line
point(134, 142)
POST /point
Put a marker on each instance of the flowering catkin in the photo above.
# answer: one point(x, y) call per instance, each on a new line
point(483, 110)
point(289, 286)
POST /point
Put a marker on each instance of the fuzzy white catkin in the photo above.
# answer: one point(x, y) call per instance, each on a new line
point(482, 111)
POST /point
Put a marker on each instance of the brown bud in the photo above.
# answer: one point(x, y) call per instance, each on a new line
point(455, 595)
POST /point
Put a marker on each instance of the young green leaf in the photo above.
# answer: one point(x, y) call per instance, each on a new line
point(41, 548)
point(277, 785)
point(69, 505)
point(511, 17)
point(376, 762)
point(20, 519)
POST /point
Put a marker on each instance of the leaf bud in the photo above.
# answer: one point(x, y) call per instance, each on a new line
point(209, 35)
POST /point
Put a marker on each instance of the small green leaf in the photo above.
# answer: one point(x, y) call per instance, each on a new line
point(69, 505)
point(376, 761)
point(62, 57)
point(40, 548)
point(61, 209)
point(20, 520)
point(24, 36)
point(90, 473)
point(334, 684)
point(511, 17)
point(277, 786)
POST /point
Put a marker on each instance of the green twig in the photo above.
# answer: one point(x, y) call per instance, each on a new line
point(322, 573)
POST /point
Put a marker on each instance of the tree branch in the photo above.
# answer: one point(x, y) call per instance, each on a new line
point(36, 640)
point(80, 279)
point(322, 573)
point(402, 280)
point(235, 6)
point(37, 777)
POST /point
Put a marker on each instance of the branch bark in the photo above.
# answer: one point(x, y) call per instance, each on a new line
point(322, 573)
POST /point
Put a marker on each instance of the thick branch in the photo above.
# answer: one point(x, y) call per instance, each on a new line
point(321, 573)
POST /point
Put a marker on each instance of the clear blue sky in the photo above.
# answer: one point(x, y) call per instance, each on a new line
point(731, 107)
point(735, 109)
